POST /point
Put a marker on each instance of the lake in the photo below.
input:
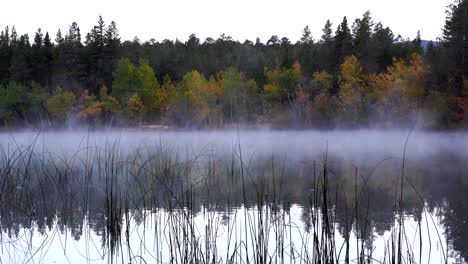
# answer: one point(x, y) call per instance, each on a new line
point(248, 196)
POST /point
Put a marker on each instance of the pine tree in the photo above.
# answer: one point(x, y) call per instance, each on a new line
point(20, 67)
point(69, 65)
point(110, 52)
point(362, 33)
point(47, 53)
point(307, 52)
point(326, 50)
point(5, 55)
point(327, 32)
point(455, 37)
point(95, 56)
point(382, 42)
point(343, 43)
point(306, 36)
point(37, 59)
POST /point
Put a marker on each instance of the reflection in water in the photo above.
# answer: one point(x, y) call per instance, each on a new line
point(151, 234)
point(182, 196)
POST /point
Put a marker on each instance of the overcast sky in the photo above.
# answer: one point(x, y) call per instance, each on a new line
point(241, 19)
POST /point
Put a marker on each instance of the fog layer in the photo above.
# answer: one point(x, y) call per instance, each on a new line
point(355, 145)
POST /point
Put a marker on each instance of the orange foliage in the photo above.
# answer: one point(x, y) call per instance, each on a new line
point(462, 103)
point(408, 81)
point(89, 107)
point(296, 68)
point(351, 81)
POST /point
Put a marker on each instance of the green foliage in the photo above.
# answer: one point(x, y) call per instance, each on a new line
point(6, 109)
point(14, 100)
point(343, 42)
point(322, 82)
point(130, 80)
point(357, 76)
point(36, 98)
point(134, 108)
point(61, 105)
point(232, 82)
point(123, 84)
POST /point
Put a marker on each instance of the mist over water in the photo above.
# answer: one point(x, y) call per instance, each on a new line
point(358, 145)
point(279, 166)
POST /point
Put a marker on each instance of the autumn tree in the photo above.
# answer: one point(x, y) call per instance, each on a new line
point(272, 92)
point(352, 90)
point(123, 84)
point(141, 80)
point(199, 98)
point(166, 95)
point(89, 109)
point(134, 108)
point(324, 105)
point(408, 82)
point(231, 82)
point(147, 86)
point(60, 105)
point(109, 105)
point(249, 81)
point(400, 92)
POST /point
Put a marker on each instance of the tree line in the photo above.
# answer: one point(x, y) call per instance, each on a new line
point(356, 74)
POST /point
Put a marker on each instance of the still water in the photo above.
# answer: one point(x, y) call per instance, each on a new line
point(233, 196)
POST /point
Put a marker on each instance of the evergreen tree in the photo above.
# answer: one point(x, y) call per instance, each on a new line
point(68, 69)
point(382, 42)
point(326, 49)
point(47, 53)
point(362, 33)
point(5, 55)
point(282, 69)
point(306, 36)
point(343, 43)
point(307, 52)
point(37, 58)
point(95, 57)
point(20, 67)
point(110, 52)
point(286, 56)
point(455, 37)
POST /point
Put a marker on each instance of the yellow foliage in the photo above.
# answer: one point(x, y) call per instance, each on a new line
point(60, 105)
point(272, 92)
point(380, 88)
point(201, 96)
point(89, 107)
point(407, 81)
point(296, 68)
point(322, 81)
point(351, 80)
point(351, 71)
point(135, 106)
point(166, 95)
point(109, 103)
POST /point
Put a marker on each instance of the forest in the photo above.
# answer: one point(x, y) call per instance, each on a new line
point(358, 73)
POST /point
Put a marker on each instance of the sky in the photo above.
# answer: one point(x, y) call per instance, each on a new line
point(240, 19)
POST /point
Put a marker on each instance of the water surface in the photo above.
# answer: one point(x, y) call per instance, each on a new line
point(161, 196)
